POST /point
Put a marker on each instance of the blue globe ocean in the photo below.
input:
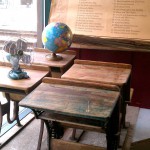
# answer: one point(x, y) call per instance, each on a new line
point(57, 37)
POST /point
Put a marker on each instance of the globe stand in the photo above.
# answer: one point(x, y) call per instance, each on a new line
point(53, 57)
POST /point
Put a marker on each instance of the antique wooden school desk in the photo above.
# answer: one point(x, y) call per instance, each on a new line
point(75, 104)
point(19, 87)
point(57, 67)
point(103, 72)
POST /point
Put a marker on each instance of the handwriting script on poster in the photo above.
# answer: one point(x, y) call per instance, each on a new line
point(119, 19)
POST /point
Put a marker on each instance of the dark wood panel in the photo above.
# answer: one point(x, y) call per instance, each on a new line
point(106, 55)
point(141, 79)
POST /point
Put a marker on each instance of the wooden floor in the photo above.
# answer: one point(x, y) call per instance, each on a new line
point(28, 137)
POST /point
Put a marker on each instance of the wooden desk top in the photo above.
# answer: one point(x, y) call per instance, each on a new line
point(101, 72)
point(39, 58)
point(35, 73)
point(72, 99)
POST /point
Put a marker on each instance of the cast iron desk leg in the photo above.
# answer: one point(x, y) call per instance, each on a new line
point(48, 134)
point(52, 132)
point(5, 109)
point(113, 129)
point(40, 135)
point(15, 111)
point(126, 98)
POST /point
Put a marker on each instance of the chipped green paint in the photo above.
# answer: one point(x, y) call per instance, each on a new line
point(72, 100)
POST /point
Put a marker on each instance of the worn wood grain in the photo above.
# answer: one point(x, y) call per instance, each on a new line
point(72, 100)
point(65, 145)
point(24, 84)
point(39, 58)
point(80, 83)
point(100, 72)
point(101, 63)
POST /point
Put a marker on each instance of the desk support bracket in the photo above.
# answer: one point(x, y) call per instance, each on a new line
point(5, 109)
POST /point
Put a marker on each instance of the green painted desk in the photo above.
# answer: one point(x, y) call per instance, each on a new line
point(75, 104)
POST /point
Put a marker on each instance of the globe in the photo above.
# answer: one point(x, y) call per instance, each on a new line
point(56, 37)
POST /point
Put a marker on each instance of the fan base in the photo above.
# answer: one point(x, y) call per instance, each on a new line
point(53, 57)
point(17, 75)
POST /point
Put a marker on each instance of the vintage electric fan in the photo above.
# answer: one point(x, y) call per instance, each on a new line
point(16, 51)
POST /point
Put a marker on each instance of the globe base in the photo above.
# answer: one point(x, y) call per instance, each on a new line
point(53, 57)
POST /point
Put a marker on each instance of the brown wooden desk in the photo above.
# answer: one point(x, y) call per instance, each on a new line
point(75, 104)
point(19, 87)
point(57, 67)
point(103, 72)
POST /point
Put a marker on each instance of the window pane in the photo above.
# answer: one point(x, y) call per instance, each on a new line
point(18, 19)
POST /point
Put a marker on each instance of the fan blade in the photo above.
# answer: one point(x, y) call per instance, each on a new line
point(21, 44)
point(10, 47)
point(26, 58)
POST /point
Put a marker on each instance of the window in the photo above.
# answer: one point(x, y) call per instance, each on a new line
point(20, 18)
